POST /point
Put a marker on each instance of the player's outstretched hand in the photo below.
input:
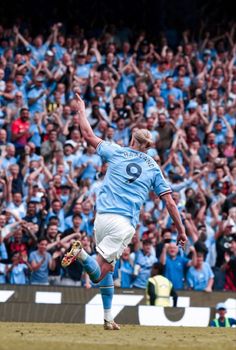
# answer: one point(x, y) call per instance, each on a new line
point(80, 103)
point(182, 239)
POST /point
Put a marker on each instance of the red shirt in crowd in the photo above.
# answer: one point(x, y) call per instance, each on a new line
point(18, 126)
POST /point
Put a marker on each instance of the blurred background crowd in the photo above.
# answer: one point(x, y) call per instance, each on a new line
point(177, 79)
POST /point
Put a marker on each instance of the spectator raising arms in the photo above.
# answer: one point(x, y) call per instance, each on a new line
point(200, 276)
point(180, 87)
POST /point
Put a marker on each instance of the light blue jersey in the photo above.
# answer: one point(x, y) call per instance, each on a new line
point(130, 176)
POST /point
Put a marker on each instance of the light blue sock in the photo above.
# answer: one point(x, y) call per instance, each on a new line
point(107, 290)
point(92, 268)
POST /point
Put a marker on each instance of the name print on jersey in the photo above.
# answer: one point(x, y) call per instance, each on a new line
point(148, 160)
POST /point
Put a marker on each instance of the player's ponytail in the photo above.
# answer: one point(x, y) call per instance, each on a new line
point(144, 139)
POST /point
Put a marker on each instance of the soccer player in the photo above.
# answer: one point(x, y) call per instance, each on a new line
point(130, 175)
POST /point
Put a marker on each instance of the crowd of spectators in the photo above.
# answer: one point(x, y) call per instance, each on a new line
point(49, 177)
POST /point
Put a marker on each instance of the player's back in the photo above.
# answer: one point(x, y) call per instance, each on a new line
point(130, 176)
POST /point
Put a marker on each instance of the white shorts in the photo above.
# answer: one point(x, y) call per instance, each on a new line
point(113, 233)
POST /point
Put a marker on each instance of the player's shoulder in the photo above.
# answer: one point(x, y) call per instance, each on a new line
point(107, 149)
point(109, 145)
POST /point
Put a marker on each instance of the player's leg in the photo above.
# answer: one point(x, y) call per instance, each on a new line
point(107, 291)
point(96, 269)
point(106, 285)
point(112, 234)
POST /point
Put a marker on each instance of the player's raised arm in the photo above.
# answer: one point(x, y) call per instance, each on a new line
point(85, 127)
point(174, 213)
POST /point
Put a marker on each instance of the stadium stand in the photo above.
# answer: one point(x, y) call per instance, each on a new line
point(179, 84)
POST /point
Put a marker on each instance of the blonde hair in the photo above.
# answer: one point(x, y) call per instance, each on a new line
point(143, 137)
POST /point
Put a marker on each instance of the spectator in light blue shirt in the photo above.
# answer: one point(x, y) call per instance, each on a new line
point(9, 158)
point(161, 71)
point(127, 79)
point(2, 273)
point(58, 211)
point(38, 48)
point(37, 96)
point(59, 48)
point(175, 264)
point(125, 54)
point(124, 269)
point(181, 72)
point(122, 133)
point(17, 270)
point(90, 163)
point(87, 218)
point(171, 90)
point(41, 261)
point(83, 68)
point(3, 250)
point(200, 276)
point(143, 262)
point(36, 130)
point(20, 86)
